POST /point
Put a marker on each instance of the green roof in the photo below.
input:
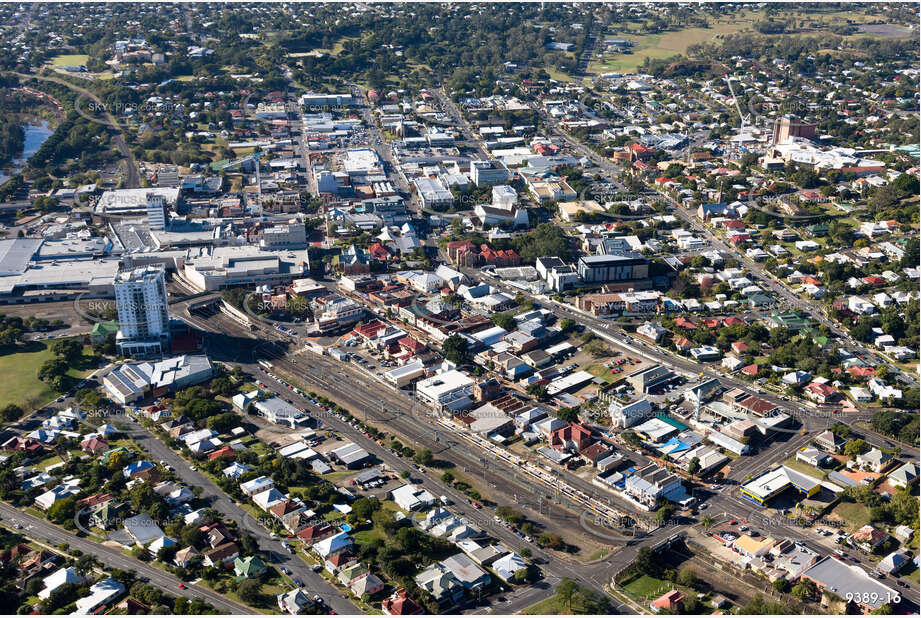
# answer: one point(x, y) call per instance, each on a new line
point(250, 566)
point(104, 328)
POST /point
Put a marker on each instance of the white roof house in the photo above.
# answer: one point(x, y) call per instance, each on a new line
point(101, 593)
point(268, 498)
point(58, 579)
point(333, 545)
point(257, 485)
point(409, 497)
point(506, 566)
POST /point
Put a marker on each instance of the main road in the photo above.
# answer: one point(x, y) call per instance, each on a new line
point(691, 221)
point(232, 511)
point(363, 395)
point(113, 558)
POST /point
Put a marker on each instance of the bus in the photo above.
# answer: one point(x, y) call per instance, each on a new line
point(264, 364)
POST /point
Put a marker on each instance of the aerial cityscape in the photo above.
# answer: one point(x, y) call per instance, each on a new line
point(459, 308)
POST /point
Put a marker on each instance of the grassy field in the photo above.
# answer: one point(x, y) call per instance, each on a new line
point(20, 371)
point(854, 513)
point(554, 605)
point(801, 466)
point(70, 60)
point(645, 586)
point(660, 46)
point(666, 45)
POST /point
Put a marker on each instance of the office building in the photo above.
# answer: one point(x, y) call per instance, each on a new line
point(488, 173)
point(789, 126)
point(143, 317)
point(156, 212)
point(625, 267)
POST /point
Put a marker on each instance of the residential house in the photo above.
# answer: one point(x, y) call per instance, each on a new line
point(249, 567)
point(400, 604)
point(222, 555)
point(440, 582)
point(294, 601)
point(904, 475)
point(868, 538)
point(874, 460)
point(669, 602)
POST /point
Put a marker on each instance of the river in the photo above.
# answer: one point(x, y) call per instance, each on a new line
point(37, 131)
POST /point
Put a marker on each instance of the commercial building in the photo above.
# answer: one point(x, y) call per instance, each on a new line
point(623, 268)
point(277, 410)
point(629, 414)
point(652, 483)
point(647, 379)
point(401, 376)
point(488, 173)
point(836, 576)
point(143, 316)
point(287, 236)
point(314, 100)
point(450, 389)
point(134, 202)
point(210, 269)
point(789, 126)
point(774, 482)
point(130, 382)
point(157, 215)
point(433, 194)
point(410, 498)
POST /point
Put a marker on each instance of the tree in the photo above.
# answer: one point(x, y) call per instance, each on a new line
point(804, 589)
point(694, 465)
point(595, 348)
point(883, 610)
point(706, 521)
point(52, 368)
point(63, 510)
point(647, 562)
point(538, 391)
point(566, 590)
point(222, 423)
point(424, 457)
point(665, 513)
point(781, 585)
point(11, 412)
point(687, 577)
point(454, 349)
point(567, 325)
point(856, 447)
point(568, 415)
point(249, 590)
point(504, 320)
point(68, 349)
point(85, 564)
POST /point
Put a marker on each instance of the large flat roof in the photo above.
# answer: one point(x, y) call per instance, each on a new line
point(842, 578)
point(15, 254)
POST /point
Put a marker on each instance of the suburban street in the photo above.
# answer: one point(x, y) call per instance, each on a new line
point(113, 558)
point(231, 511)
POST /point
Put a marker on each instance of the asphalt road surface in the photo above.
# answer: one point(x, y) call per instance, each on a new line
point(272, 548)
point(113, 558)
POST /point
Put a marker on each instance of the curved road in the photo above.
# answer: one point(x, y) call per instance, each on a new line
point(132, 177)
